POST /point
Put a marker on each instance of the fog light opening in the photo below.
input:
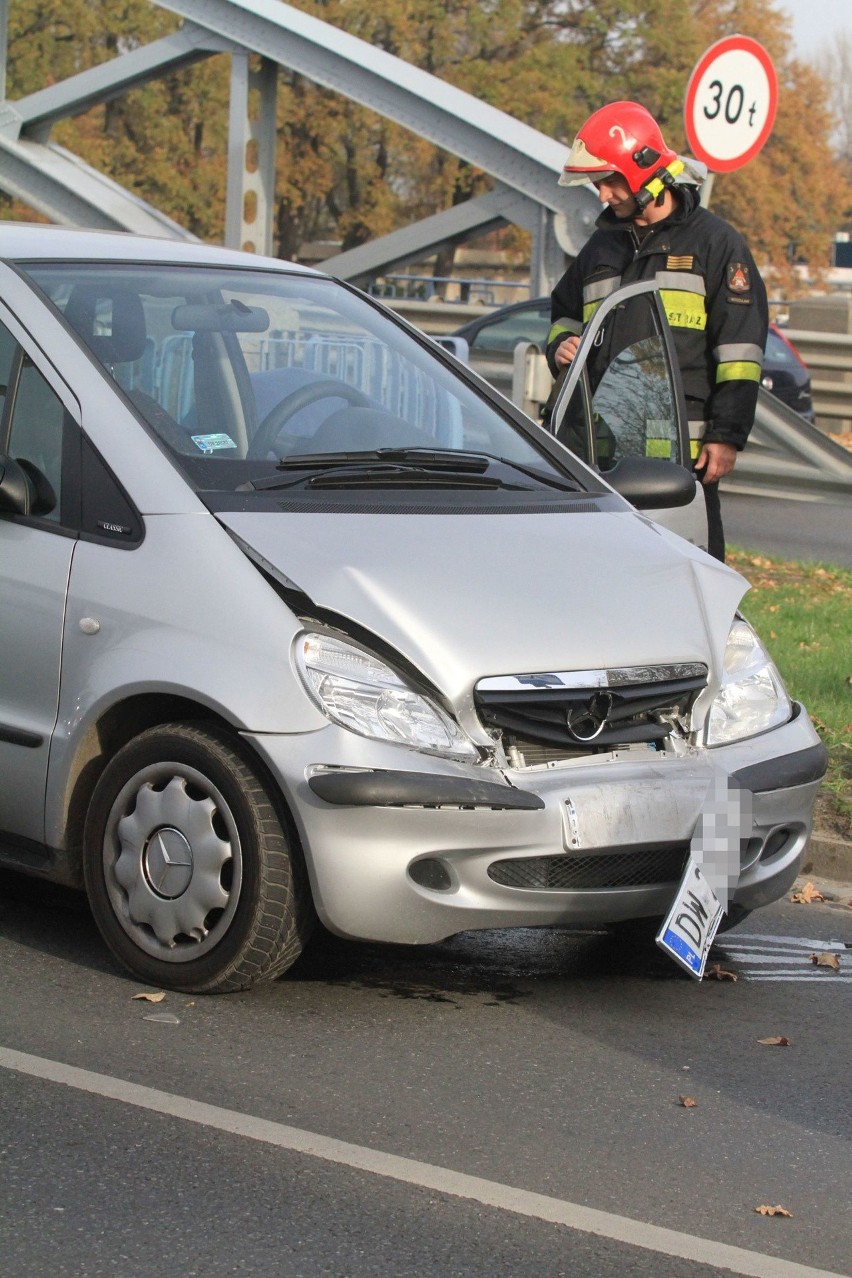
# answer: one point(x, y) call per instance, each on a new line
point(777, 842)
point(431, 873)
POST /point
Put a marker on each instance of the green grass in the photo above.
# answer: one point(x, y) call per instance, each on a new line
point(803, 614)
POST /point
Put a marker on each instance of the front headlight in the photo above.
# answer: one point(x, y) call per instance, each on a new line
point(752, 698)
point(358, 691)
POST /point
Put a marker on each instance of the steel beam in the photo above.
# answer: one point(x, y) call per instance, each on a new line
point(68, 191)
point(515, 154)
point(251, 156)
point(412, 243)
point(38, 112)
point(523, 161)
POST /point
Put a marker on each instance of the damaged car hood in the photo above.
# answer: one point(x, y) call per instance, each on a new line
point(464, 597)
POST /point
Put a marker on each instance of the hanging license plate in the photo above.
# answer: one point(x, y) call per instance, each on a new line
point(691, 924)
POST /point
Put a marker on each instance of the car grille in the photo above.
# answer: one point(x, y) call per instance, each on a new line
point(587, 711)
point(645, 867)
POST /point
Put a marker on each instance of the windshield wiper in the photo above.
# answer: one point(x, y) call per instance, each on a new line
point(395, 465)
point(553, 481)
point(387, 475)
point(400, 467)
point(434, 458)
point(451, 458)
point(455, 459)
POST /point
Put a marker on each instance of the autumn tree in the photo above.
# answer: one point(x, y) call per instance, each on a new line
point(349, 174)
point(550, 63)
point(166, 140)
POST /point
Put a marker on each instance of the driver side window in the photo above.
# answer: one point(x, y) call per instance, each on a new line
point(625, 402)
point(633, 407)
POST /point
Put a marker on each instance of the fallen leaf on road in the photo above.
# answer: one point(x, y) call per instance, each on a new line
point(826, 960)
point(807, 894)
point(688, 1102)
point(718, 973)
point(779, 1041)
point(151, 998)
point(773, 1211)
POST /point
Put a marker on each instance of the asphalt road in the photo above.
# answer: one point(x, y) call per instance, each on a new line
point(813, 531)
point(444, 1110)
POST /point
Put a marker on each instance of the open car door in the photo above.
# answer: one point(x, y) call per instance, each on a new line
point(621, 406)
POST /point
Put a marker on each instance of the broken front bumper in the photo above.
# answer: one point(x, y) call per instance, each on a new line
point(413, 854)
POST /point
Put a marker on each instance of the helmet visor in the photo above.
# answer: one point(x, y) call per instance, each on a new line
point(581, 166)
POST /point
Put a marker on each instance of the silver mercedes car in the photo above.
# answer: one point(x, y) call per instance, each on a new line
point(300, 620)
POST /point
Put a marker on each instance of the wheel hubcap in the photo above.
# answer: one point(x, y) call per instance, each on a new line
point(173, 862)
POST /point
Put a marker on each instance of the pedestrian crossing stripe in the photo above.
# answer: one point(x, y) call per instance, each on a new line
point(757, 957)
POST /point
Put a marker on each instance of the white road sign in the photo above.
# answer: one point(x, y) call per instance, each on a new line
point(730, 105)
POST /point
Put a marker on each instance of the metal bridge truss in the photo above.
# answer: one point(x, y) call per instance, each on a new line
point(523, 162)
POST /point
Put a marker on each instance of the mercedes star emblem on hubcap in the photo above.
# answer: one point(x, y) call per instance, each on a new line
point(168, 863)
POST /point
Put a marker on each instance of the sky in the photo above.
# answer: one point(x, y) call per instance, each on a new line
point(815, 22)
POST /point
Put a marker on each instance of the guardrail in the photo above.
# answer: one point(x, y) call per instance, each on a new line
point(426, 288)
point(827, 353)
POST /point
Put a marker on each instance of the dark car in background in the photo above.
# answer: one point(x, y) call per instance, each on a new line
point(785, 373)
point(493, 337)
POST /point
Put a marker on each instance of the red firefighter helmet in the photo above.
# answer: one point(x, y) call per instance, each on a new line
point(624, 138)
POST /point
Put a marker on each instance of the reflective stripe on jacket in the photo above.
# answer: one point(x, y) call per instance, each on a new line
point(713, 296)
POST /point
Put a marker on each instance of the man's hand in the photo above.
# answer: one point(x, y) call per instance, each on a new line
point(714, 461)
point(566, 351)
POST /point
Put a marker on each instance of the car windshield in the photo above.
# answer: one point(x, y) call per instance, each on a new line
point(249, 374)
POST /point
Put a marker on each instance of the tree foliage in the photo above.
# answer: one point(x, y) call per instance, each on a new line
point(347, 173)
point(166, 140)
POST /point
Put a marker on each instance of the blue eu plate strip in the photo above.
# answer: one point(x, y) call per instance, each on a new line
point(680, 947)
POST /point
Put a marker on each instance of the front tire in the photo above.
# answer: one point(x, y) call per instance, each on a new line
point(188, 868)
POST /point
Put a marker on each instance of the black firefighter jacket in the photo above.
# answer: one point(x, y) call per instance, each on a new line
point(713, 296)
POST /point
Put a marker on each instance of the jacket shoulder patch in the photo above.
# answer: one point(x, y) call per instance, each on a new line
point(738, 277)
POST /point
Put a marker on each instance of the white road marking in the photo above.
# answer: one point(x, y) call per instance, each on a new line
point(490, 1193)
point(802, 961)
point(798, 942)
point(758, 957)
point(763, 976)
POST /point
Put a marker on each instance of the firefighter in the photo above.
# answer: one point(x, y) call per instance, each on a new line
point(653, 227)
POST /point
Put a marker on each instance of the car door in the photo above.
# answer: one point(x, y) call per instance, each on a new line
point(38, 430)
point(622, 398)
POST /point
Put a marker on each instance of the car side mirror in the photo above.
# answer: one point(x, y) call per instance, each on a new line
point(24, 490)
point(652, 483)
